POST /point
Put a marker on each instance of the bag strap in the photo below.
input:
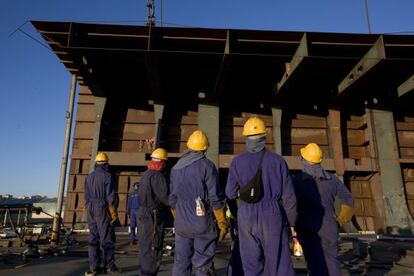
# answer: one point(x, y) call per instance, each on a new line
point(261, 159)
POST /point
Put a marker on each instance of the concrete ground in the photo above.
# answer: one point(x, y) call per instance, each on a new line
point(373, 258)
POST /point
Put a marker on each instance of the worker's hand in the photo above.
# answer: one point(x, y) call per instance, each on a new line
point(221, 223)
point(173, 212)
point(113, 214)
point(345, 215)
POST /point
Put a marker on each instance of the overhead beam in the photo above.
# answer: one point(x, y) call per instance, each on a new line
point(301, 53)
point(371, 59)
point(406, 88)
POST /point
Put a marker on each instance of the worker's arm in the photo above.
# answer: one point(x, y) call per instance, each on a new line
point(110, 190)
point(216, 199)
point(86, 194)
point(232, 186)
point(347, 203)
point(288, 194)
point(172, 198)
point(160, 188)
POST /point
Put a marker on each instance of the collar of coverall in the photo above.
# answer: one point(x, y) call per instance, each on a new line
point(156, 165)
point(255, 143)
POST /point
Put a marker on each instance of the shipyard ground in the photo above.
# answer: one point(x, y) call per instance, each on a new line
point(367, 258)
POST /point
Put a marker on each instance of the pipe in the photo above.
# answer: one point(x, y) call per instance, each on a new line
point(63, 167)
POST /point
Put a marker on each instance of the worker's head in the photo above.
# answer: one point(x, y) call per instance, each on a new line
point(197, 141)
point(101, 158)
point(254, 126)
point(312, 153)
point(159, 154)
point(136, 186)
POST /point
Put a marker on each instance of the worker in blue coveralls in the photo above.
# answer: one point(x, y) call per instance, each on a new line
point(195, 199)
point(317, 223)
point(263, 225)
point(153, 197)
point(100, 202)
point(133, 205)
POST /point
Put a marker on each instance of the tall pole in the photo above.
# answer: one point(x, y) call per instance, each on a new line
point(367, 16)
point(63, 167)
point(161, 13)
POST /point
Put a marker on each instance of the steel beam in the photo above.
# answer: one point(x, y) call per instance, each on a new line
point(208, 121)
point(371, 59)
point(158, 113)
point(277, 133)
point(63, 166)
point(335, 140)
point(100, 103)
point(406, 88)
point(220, 80)
point(301, 53)
point(397, 217)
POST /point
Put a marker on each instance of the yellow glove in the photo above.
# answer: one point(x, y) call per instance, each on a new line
point(221, 222)
point(345, 215)
point(113, 214)
point(173, 212)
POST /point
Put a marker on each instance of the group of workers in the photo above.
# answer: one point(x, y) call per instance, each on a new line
point(270, 207)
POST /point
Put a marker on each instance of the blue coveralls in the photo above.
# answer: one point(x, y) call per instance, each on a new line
point(99, 194)
point(153, 193)
point(133, 205)
point(316, 226)
point(262, 226)
point(196, 236)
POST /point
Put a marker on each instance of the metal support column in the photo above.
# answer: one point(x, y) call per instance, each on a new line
point(208, 121)
point(100, 103)
point(277, 133)
point(63, 167)
point(397, 217)
point(335, 141)
point(158, 112)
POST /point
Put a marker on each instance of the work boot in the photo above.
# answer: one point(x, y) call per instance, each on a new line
point(97, 270)
point(113, 270)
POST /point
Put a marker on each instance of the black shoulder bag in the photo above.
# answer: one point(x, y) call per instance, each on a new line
point(253, 191)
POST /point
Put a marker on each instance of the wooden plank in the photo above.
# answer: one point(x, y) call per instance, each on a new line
point(84, 130)
point(405, 138)
point(140, 116)
point(85, 113)
point(407, 126)
point(126, 158)
point(305, 136)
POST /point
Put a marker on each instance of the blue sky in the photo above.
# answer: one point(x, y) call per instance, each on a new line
point(34, 85)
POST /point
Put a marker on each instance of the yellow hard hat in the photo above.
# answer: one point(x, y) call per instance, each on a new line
point(101, 157)
point(312, 153)
point(159, 153)
point(254, 126)
point(197, 141)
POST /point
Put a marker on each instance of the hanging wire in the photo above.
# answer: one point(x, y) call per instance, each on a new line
point(367, 16)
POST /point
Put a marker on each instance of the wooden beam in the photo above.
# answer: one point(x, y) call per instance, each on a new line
point(301, 53)
point(371, 59)
point(406, 88)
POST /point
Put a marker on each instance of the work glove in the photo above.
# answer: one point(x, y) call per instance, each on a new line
point(113, 214)
point(173, 212)
point(345, 215)
point(221, 222)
